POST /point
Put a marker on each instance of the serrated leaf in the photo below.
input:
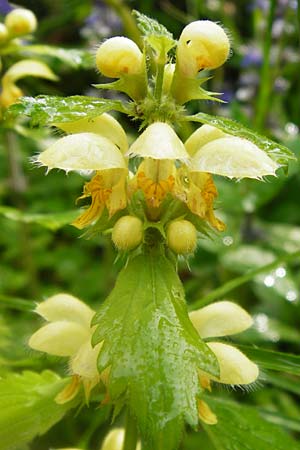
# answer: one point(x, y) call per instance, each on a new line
point(153, 351)
point(52, 221)
point(75, 58)
point(244, 427)
point(277, 152)
point(27, 406)
point(46, 109)
point(157, 36)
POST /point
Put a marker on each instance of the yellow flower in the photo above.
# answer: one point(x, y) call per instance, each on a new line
point(99, 151)
point(220, 319)
point(218, 153)
point(68, 333)
point(160, 147)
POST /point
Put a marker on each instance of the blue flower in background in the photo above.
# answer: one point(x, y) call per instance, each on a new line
point(5, 7)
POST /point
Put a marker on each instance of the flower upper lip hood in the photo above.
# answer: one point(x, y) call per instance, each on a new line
point(220, 319)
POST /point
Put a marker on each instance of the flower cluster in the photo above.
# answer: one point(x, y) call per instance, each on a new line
point(158, 164)
point(68, 334)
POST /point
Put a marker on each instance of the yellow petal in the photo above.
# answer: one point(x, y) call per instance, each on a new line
point(220, 319)
point(233, 157)
point(65, 307)
point(62, 338)
point(28, 67)
point(117, 200)
point(202, 136)
point(104, 125)
point(115, 440)
point(82, 151)
point(93, 212)
point(84, 362)
point(69, 392)
point(235, 367)
point(159, 141)
point(206, 414)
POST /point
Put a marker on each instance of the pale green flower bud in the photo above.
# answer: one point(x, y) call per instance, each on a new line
point(220, 319)
point(159, 141)
point(127, 233)
point(233, 157)
point(119, 56)
point(82, 151)
point(202, 136)
point(181, 236)
point(235, 367)
point(20, 21)
point(202, 45)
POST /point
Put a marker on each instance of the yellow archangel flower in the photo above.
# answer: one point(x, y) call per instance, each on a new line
point(94, 146)
point(220, 319)
point(68, 333)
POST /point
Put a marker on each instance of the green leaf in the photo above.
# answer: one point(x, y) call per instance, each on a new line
point(277, 152)
point(75, 58)
point(244, 427)
point(52, 221)
point(28, 408)
point(47, 110)
point(268, 359)
point(153, 350)
point(157, 36)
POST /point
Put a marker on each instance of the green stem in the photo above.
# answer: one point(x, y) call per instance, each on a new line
point(131, 436)
point(236, 282)
point(159, 81)
point(263, 103)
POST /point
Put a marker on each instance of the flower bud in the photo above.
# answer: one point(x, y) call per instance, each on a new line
point(3, 34)
point(127, 233)
point(182, 236)
point(20, 21)
point(119, 56)
point(202, 45)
